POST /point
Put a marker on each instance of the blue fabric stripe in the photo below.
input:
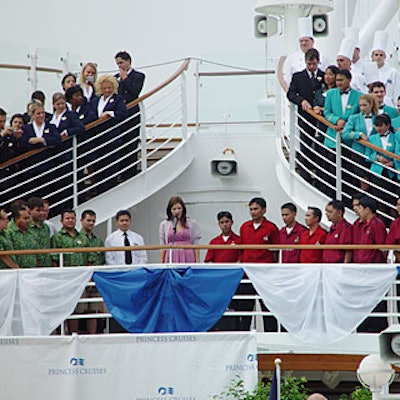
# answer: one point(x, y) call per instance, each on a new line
point(168, 300)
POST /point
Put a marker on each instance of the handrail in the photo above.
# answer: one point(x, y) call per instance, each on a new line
point(279, 72)
point(99, 121)
point(29, 67)
point(272, 247)
point(320, 118)
point(238, 73)
point(162, 85)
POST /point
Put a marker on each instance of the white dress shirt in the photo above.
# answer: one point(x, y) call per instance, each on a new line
point(295, 62)
point(391, 78)
point(118, 257)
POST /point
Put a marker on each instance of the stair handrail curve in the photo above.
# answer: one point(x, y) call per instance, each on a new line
point(105, 151)
point(184, 66)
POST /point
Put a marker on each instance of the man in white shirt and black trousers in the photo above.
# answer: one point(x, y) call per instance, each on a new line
point(123, 236)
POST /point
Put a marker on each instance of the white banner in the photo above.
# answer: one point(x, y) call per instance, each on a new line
point(35, 301)
point(178, 366)
point(321, 304)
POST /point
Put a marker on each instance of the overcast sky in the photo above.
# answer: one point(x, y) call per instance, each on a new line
point(151, 30)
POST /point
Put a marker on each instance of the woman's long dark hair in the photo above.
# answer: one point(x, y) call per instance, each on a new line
point(176, 200)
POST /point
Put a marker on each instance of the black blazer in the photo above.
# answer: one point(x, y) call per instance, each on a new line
point(130, 87)
point(50, 133)
point(71, 123)
point(115, 103)
point(301, 88)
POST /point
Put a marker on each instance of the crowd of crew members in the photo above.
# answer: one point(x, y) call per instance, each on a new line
point(29, 229)
point(78, 104)
point(360, 100)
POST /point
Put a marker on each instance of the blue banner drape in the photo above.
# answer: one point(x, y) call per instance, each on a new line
point(168, 300)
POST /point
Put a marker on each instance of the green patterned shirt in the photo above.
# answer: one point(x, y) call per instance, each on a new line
point(23, 241)
point(42, 235)
point(62, 239)
point(5, 244)
point(98, 256)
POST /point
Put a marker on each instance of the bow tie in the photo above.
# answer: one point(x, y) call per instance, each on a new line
point(381, 107)
point(347, 91)
point(368, 116)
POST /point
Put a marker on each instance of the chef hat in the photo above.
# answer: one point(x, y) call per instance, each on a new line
point(371, 73)
point(304, 26)
point(347, 48)
point(353, 33)
point(380, 41)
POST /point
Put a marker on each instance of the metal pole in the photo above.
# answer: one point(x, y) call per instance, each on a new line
point(33, 71)
point(338, 166)
point(278, 362)
point(75, 172)
point(184, 106)
point(143, 144)
point(292, 140)
point(197, 94)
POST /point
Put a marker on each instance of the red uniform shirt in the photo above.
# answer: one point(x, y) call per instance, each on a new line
point(292, 255)
point(393, 236)
point(357, 228)
point(224, 256)
point(317, 237)
point(372, 232)
point(340, 233)
point(266, 233)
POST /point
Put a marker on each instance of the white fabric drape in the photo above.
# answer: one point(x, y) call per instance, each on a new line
point(8, 287)
point(321, 303)
point(35, 302)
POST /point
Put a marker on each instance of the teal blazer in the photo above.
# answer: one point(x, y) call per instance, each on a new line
point(333, 111)
point(396, 123)
point(353, 129)
point(391, 111)
point(372, 155)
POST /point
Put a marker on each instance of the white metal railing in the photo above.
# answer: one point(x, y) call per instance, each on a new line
point(333, 171)
point(257, 313)
point(106, 154)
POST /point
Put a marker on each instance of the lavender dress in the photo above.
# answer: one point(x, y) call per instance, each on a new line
point(180, 255)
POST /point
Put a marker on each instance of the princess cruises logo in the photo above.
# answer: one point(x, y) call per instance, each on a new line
point(250, 364)
point(167, 393)
point(77, 366)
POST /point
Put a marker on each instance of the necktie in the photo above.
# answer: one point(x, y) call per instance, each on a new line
point(128, 253)
point(313, 80)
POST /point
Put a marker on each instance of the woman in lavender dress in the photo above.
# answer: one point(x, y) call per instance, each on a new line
point(178, 229)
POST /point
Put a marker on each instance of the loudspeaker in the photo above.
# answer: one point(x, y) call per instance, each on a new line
point(320, 25)
point(265, 26)
point(226, 165)
point(389, 344)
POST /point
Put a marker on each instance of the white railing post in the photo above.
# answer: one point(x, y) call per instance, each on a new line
point(197, 94)
point(143, 144)
point(184, 106)
point(61, 265)
point(64, 63)
point(74, 172)
point(338, 166)
point(33, 71)
point(292, 132)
